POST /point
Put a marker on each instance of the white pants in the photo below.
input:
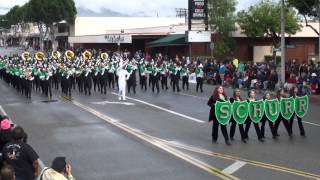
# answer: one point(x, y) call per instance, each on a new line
point(122, 90)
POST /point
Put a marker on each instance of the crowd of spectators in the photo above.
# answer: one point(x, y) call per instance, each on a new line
point(264, 76)
point(19, 161)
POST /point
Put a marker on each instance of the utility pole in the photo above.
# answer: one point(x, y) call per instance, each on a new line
point(190, 26)
point(283, 48)
point(319, 30)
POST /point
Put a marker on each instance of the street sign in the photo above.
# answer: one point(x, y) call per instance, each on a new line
point(198, 36)
point(276, 49)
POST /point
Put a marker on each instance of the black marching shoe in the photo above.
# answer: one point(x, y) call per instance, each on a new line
point(228, 143)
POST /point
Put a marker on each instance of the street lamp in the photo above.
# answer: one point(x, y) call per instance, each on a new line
point(119, 41)
point(283, 49)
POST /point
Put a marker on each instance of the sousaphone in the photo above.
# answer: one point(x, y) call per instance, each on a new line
point(87, 55)
point(39, 56)
point(104, 56)
point(26, 56)
point(69, 55)
point(56, 55)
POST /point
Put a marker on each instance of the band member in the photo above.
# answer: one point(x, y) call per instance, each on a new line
point(199, 77)
point(294, 92)
point(80, 79)
point(252, 97)
point(103, 78)
point(280, 94)
point(164, 76)
point(175, 75)
point(29, 79)
point(217, 95)
point(132, 82)
point(267, 96)
point(87, 80)
point(143, 76)
point(149, 70)
point(111, 71)
point(184, 73)
point(156, 77)
point(236, 97)
point(95, 78)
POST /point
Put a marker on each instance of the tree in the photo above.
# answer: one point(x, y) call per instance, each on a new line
point(47, 13)
point(222, 22)
point(307, 9)
point(263, 20)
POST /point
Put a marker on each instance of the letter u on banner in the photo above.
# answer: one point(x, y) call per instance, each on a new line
point(272, 110)
point(256, 110)
point(223, 112)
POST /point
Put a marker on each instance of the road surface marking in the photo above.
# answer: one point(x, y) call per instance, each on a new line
point(250, 162)
point(310, 123)
point(5, 113)
point(210, 169)
point(164, 109)
point(110, 102)
point(234, 167)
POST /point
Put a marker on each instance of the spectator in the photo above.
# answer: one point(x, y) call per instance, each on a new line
point(59, 170)
point(7, 173)
point(273, 80)
point(5, 134)
point(314, 83)
point(292, 81)
point(21, 156)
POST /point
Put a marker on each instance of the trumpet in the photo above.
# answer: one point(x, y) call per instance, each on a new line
point(56, 55)
point(40, 56)
point(86, 55)
point(104, 56)
point(26, 56)
point(69, 55)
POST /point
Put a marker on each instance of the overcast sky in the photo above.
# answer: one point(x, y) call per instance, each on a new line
point(151, 8)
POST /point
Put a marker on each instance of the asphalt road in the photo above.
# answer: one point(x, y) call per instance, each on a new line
point(156, 136)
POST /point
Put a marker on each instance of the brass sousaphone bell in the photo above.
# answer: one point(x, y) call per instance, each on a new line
point(86, 55)
point(26, 56)
point(69, 55)
point(104, 56)
point(56, 55)
point(39, 56)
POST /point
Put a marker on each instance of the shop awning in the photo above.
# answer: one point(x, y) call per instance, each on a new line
point(170, 40)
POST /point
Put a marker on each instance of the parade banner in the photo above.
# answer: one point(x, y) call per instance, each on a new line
point(287, 107)
point(223, 112)
point(256, 110)
point(301, 106)
point(240, 111)
point(272, 110)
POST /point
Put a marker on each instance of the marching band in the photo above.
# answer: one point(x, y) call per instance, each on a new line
point(84, 72)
